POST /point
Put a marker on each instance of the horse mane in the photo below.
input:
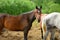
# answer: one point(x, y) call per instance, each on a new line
point(29, 12)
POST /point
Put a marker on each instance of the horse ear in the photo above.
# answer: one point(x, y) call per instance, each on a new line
point(40, 10)
point(36, 7)
point(40, 7)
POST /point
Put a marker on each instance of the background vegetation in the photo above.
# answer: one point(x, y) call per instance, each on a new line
point(16, 7)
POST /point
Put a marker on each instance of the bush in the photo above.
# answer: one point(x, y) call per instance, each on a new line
point(54, 8)
point(51, 7)
point(16, 7)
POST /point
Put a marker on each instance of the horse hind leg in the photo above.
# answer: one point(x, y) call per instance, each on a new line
point(47, 32)
point(52, 35)
point(45, 36)
point(1, 30)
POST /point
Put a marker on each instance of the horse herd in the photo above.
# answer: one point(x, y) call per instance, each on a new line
point(23, 22)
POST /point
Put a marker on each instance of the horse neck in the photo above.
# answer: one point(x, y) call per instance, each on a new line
point(31, 17)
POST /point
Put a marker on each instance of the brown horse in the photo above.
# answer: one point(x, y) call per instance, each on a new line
point(22, 22)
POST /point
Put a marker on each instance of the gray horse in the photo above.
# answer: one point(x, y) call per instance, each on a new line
point(50, 22)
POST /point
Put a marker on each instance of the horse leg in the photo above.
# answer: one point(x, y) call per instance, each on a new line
point(42, 33)
point(25, 34)
point(26, 30)
point(45, 36)
point(52, 35)
point(1, 30)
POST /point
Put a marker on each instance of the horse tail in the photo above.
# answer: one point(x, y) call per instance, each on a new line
point(43, 27)
point(2, 18)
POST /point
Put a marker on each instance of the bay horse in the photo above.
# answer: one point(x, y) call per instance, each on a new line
point(22, 22)
point(49, 23)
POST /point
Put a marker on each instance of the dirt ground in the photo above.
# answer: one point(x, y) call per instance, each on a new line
point(34, 34)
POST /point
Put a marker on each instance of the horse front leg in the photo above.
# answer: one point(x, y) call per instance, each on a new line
point(25, 35)
point(26, 30)
point(42, 33)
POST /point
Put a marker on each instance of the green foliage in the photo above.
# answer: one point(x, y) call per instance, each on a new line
point(54, 8)
point(16, 7)
point(37, 2)
point(48, 6)
point(57, 1)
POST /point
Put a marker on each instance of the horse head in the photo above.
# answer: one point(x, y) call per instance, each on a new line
point(37, 13)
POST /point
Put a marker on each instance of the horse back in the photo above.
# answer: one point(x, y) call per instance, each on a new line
point(53, 19)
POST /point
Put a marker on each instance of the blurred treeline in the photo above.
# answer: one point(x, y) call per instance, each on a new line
point(16, 7)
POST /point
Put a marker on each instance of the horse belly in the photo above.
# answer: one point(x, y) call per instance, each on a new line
point(15, 25)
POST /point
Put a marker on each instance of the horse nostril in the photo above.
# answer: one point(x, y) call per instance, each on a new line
point(38, 20)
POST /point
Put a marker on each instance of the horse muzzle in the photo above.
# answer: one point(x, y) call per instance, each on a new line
point(38, 20)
